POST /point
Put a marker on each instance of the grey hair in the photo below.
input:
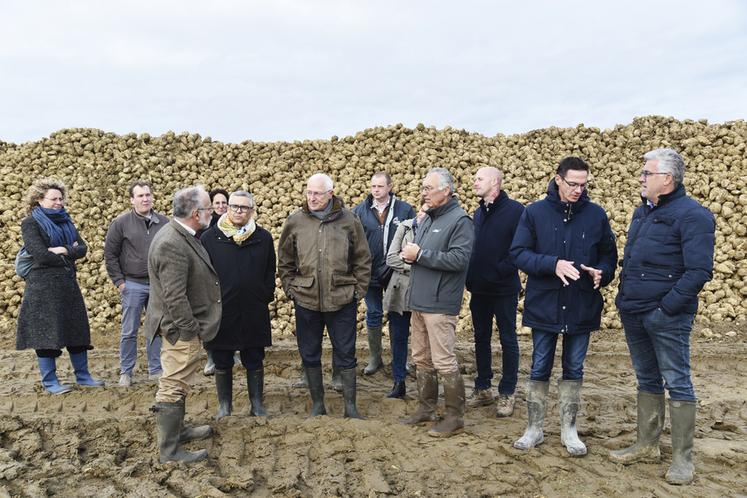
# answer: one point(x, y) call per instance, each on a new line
point(328, 183)
point(244, 193)
point(669, 161)
point(445, 178)
point(187, 200)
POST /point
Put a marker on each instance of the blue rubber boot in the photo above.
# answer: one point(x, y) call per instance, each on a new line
point(82, 375)
point(48, 369)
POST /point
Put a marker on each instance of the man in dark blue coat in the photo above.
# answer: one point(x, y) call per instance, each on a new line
point(566, 247)
point(380, 213)
point(493, 281)
point(668, 259)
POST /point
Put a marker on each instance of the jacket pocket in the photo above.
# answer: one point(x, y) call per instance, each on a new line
point(541, 300)
point(340, 280)
point(302, 282)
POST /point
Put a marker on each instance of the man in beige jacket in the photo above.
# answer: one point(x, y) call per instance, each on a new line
point(324, 265)
point(184, 309)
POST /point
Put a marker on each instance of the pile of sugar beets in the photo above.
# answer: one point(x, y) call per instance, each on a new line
point(99, 166)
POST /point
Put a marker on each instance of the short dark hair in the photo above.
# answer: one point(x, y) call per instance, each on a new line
point(139, 183)
point(386, 176)
point(217, 191)
point(571, 162)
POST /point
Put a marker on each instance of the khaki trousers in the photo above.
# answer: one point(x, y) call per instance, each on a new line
point(433, 337)
point(180, 363)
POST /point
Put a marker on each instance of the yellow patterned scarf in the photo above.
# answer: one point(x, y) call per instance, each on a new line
point(239, 234)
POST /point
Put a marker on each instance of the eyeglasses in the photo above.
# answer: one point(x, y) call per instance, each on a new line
point(646, 173)
point(574, 185)
point(240, 209)
point(311, 193)
point(426, 189)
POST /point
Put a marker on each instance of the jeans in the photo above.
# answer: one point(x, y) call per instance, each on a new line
point(503, 308)
point(659, 346)
point(341, 327)
point(134, 300)
point(251, 358)
point(374, 307)
point(543, 355)
point(399, 333)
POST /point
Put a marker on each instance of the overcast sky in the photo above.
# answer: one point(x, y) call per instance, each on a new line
point(291, 70)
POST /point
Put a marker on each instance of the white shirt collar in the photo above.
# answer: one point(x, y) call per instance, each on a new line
point(187, 228)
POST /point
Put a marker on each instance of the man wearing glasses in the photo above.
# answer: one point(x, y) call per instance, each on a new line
point(566, 247)
point(668, 259)
point(324, 266)
point(184, 308)
point(244, 257)
point(439, 257)
point(126, 253)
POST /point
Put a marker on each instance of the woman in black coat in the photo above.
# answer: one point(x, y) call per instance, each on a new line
point(53, 315)
point(244, 257)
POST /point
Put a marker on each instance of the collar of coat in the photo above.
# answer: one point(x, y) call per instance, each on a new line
point(337, 206)
point(493, 206)
point(569, 209)
point(452, 203)
point(370, 200)
point(666, 198)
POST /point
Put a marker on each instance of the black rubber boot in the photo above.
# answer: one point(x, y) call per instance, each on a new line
point(255, 382)
point(399, 389)
point(336, 379)
point(169, 421)
point(348, 393)
point(224, 387)
point(193, 433)
point(316, 390)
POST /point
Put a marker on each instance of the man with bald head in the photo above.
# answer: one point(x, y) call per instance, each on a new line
point(324, 266)
point(493, 281)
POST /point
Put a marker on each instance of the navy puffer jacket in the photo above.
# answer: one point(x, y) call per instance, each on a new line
point(668, 256)
point(550, 230)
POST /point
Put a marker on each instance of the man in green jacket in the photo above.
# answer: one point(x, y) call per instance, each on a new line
point(324, 266)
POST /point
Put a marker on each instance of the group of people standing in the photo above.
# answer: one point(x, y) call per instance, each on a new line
point(208, 280)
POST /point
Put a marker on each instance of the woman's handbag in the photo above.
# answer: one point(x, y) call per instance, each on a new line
point(24, 261)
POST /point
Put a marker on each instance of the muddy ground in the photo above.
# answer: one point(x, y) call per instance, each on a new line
point(101, 442)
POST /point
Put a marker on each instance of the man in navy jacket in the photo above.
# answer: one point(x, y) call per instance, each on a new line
point(566, 247)
point(493, 281)
point(668, 259)
point(380, 213)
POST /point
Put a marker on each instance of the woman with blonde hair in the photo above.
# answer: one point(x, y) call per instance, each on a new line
point(53, 315)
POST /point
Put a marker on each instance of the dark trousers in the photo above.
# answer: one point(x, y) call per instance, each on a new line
point(399, 333)
point(503, 308)
point(251, 358)
point(374, 307)
point(54, 353)
point(341, 327)
point(543, 355)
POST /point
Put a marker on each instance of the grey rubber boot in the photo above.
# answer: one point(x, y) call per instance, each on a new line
point(650, 424)
point(192, 433)
point(255, 382)
point(682, 415)
point(224, 388)
point(569, 394)
point(454, 396)
point(349, 392)
point(428, 397)
point(169, 420)
point(336, 379)
point(316, 390)
point(536, 408)
point(374, 351)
